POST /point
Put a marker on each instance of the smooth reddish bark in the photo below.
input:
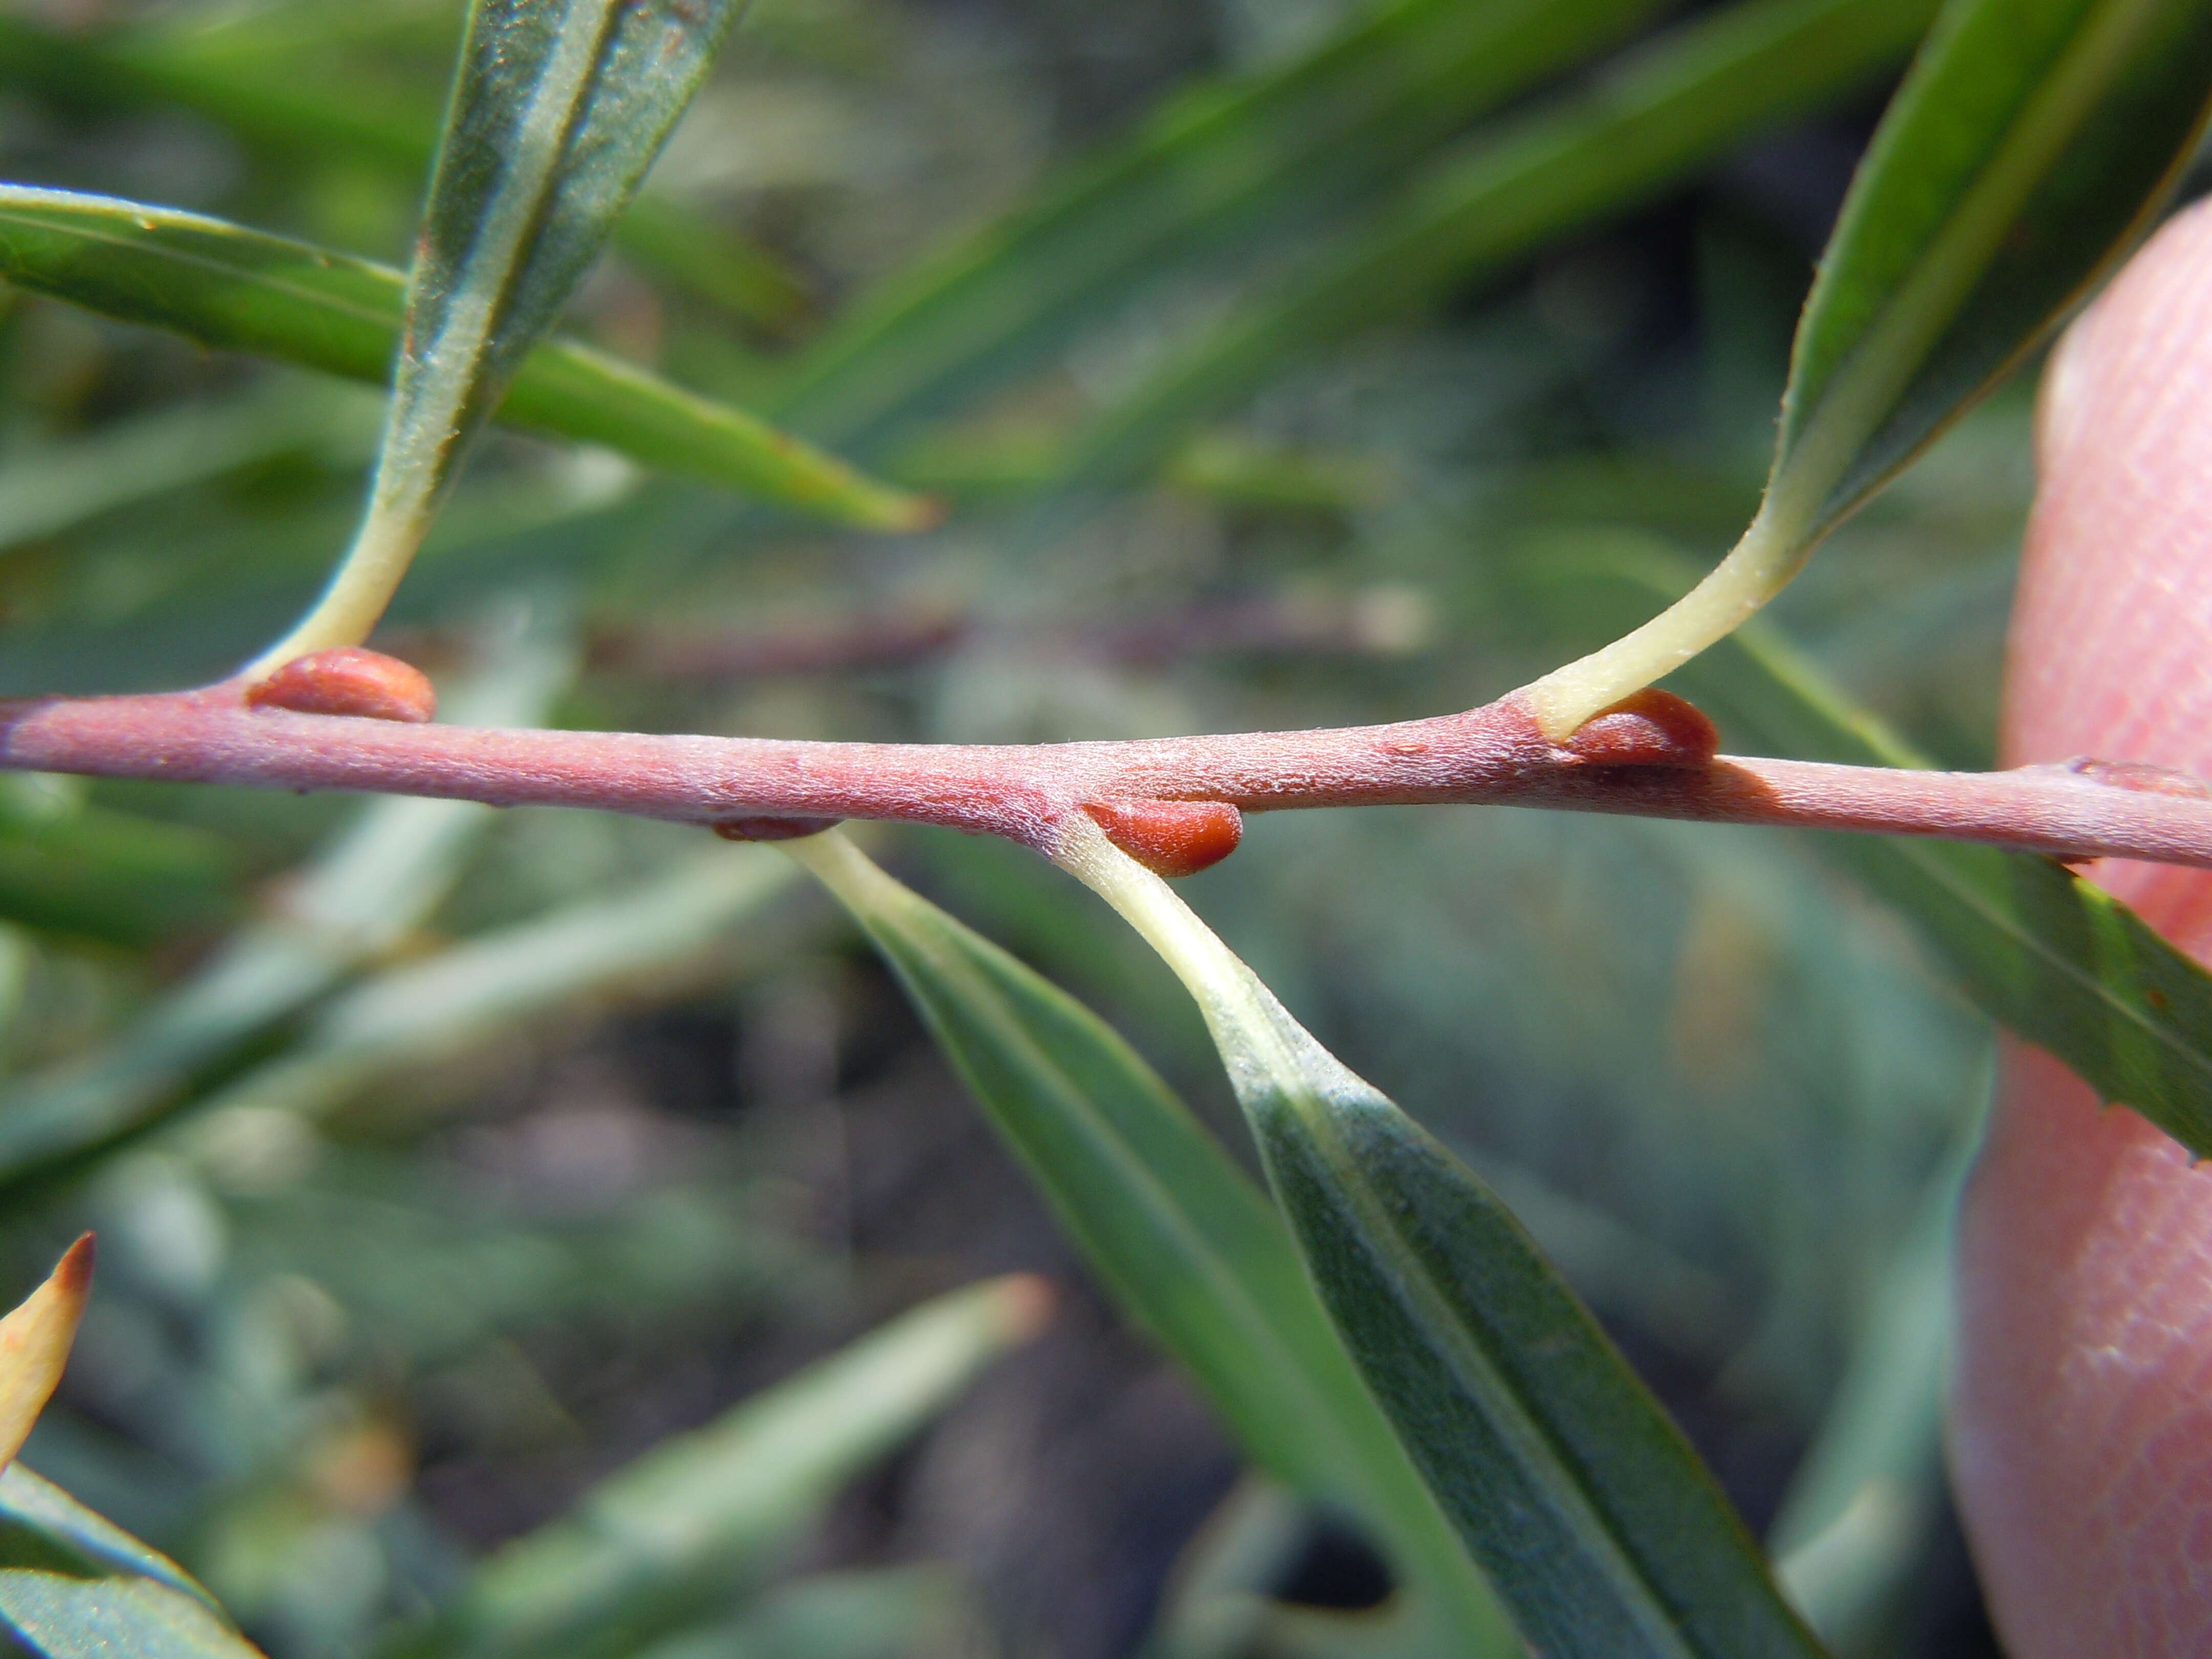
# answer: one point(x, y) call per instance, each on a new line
point(1652, 757)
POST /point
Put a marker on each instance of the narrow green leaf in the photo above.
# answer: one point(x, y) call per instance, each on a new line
point(1306, 138)
point(73, 1585)
point(427, 1009)
point(695, 1521)
point(1186, 1241)
point(1668, 107)
point(1581, 1501)
point(266, 106)
point(1169, 1222)
point(559, 108)
point(31, 1503)
point(2031, 142)
point(2048, 954)
point(242, 290)
point(60, 1617)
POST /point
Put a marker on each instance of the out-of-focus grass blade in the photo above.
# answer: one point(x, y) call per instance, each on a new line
point(379, 882)
point(47, 486)
point(1222, 1600)
point(1169, 1221)
point(74, 1586)
point(2032, 141)
point(2048, 954)
point(1592, 1514)
point(1859, 1509)
point(133, 68)
point(693, 1523)
point(424, 1010)
point(242, 290)
point(66, 867)
point(882, 1613)
point(1308, 136)
point(1670, 105)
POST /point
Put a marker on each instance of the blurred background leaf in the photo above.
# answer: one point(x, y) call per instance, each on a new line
point(607, 1130)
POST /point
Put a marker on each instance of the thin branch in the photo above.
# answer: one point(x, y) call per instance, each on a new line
point(1650, 758)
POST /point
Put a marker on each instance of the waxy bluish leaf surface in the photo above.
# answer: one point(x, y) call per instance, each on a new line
point(559, 108)
point(74, 1586)
point(1588, 1510)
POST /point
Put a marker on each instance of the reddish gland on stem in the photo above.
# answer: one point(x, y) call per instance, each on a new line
point(772, 828)
point(1170, 837)
point(348, 680)
point(1648, 728)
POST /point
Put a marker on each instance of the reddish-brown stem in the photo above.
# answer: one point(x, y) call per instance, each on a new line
point(1492, 755)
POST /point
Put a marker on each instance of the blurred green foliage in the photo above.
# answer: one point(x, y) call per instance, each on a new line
point(446, 1159)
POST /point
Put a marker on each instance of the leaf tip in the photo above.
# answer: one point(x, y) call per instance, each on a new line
point(1022, 1304)
point(909, 512)
point(72, 1274)
point(35, 1341)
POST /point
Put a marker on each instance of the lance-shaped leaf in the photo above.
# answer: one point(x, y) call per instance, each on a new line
point(1180, 1234)
point(559, 108)
point(73, 1585)
point(696, 1521)
point(35, 1344)
point(1590, 1513)
point(2031, 142)
point(243, 290)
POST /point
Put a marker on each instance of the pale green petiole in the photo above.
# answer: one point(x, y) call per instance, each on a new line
point(1758, 568)
point(1813, 486)
point(426, 427)
point(1265, 1050)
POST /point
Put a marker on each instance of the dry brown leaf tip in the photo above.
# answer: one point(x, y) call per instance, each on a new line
point(35, 1344)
